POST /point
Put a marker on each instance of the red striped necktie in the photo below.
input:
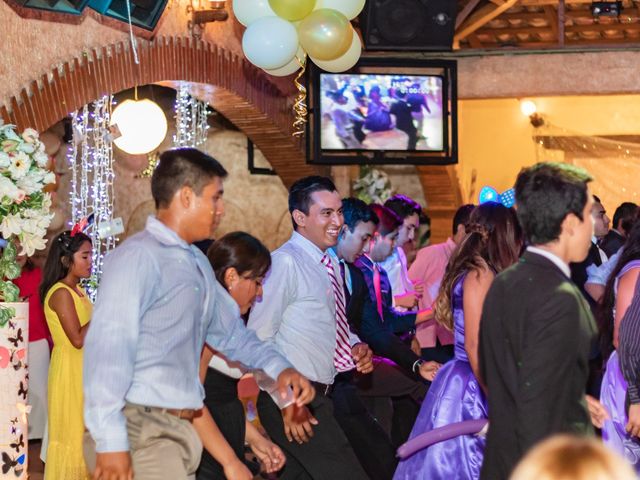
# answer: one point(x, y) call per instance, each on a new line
point(342, 358)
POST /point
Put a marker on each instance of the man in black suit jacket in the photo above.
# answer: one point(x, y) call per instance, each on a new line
point(623, 219)
point(393, 391)
point(536, 327)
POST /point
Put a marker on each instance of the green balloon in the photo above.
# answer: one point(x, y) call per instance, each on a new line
point(292, 10)
point(325, 34)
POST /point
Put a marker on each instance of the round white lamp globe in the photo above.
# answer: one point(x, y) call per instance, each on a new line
point(528, 108)
point(142, 126)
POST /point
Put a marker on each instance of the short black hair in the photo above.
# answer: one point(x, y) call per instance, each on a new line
point(625, 216)
point(545, 194)
point(462, 215)
point(183, 167)
point(241, 251)
point(302, 189)
point(356, 211)
point(403, 206)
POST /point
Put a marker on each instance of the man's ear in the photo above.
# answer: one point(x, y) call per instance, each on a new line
point(299, 218)
point(343, 231)
point(569, 224)
point(186, 196)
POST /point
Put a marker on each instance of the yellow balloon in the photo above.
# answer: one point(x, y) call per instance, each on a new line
point(346, 61)
point(325, 34)
point(292, 10)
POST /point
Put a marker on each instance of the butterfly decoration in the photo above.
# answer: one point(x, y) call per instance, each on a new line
point(16, 359)
point(18, 444)
point(23, 391)
point(9, 463)
point(24, 411)
point(12, 325)
point(17, 338)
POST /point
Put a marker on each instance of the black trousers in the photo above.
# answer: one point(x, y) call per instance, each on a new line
point(368, 439)
point(440, 353)
point(328, 454)
point(393, 396)
point(221, 398)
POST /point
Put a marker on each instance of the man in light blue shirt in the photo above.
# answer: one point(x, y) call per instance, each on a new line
point(157, 304)
point(301, 311)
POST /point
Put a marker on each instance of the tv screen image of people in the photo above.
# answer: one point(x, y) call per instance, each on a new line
point(381, 112)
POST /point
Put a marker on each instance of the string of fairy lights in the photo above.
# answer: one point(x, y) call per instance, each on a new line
point(192, 119)
point(90, 159)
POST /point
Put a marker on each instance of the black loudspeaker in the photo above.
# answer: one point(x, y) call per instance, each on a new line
point(144, 13)
point(409, 24)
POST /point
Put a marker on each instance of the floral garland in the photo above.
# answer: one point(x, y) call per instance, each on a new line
point(24, 206)
point(373, 186)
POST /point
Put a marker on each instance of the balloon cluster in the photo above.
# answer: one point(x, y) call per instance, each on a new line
point(280, 33)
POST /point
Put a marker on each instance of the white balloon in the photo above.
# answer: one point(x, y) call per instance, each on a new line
point(270, 42)
point(350, 8)
point(248, 11)
point(291, 67)
point(346, 61)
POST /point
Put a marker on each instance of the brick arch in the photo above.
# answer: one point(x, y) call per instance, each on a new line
point(232, 86)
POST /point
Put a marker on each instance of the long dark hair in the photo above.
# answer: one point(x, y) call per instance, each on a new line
point(60, 259)
point(241, 251)
point(494, 239)
point(604, 312)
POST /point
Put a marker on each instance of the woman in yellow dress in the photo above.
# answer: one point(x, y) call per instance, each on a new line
point(68, 311)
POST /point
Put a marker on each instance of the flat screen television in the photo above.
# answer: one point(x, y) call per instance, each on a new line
point(384, 111)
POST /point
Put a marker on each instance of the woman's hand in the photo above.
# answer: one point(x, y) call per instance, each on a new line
point(237, 470)
point(269, 454)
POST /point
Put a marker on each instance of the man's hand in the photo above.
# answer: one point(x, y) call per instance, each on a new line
point(237, 470)
point(363, 357)
point(597, 412)
point(408, 300)
point(298, 423)
point(303, 391)
point(428, 370)
point(415, 346)
point(113, 466)
point(269, 454)
point(633, 426)
point(418, 287)
point(424, 316)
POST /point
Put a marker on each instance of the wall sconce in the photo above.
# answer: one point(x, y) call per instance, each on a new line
point(203, 11)
point(529, 109)
point(215, 12)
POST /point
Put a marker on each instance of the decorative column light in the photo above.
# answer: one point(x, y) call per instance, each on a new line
point(191, 116)
point(91, 163)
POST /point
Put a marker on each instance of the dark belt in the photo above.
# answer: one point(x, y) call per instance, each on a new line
point(183, 414)
point(323, 389)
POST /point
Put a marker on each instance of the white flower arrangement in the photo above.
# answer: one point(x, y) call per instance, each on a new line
point(373, 186)
point(24, 206)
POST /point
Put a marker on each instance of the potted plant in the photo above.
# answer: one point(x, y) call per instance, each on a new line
point(24, 218)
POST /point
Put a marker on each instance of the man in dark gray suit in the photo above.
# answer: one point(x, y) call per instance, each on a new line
point(537, 329)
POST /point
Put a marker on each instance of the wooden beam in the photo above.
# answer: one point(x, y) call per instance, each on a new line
point(627, 14)
point(464, 13)
point(551, 17)
point(484, 16)
point(561, 27)
point(535, 3)
point(596, 27)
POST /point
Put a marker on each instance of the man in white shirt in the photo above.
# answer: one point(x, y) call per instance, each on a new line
point(302, 313)
point(405, 293)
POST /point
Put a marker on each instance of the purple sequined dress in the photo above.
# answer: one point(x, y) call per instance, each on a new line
point(454, 396)
point(613, 396)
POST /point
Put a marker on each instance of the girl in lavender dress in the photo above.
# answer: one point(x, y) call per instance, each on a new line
point(493, 243)
point(622, 291)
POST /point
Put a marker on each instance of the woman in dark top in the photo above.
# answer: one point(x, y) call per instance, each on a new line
point(240, 263)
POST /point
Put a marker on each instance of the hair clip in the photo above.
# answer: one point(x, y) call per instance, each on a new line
point(81, 226)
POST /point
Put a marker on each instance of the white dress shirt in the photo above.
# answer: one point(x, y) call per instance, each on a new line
point(396, 267)
point(297, 312)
